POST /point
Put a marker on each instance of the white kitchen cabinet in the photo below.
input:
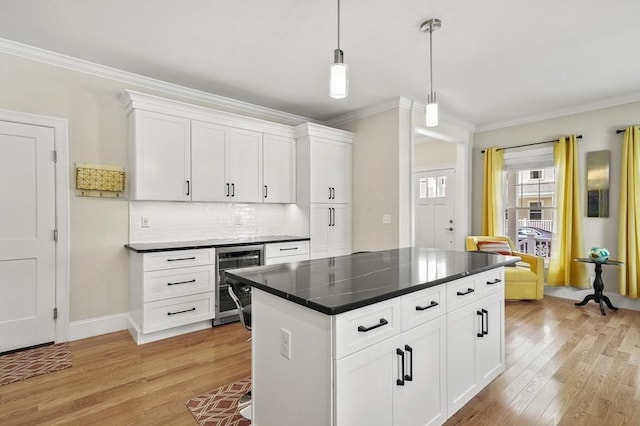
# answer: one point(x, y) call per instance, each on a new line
point(226, 163)
point(171, 292)
point(475, 339)
point(330, 230)
point(182, 152)
point(362, 382)
point(291, 251)
point(160, 156)
point(330, 171)
point(399, 381)
point(279, 169)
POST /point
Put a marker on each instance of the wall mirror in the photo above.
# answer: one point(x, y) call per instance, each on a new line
point(598, 184)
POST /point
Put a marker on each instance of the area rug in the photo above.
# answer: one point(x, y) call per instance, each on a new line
point(34, 362)
point(220, 406)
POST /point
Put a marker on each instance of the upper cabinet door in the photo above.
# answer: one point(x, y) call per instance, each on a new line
point(278, 174)
point(330, 171)
point(244, 166)
point(319, 159)
point(339, 176)
point(208, 143)
point(160, 157)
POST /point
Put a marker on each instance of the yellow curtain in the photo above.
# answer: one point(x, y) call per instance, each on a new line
point(629, 233)
point(492, 211)
point(567, 243)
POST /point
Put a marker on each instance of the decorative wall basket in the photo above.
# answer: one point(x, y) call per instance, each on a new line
point(93, 180)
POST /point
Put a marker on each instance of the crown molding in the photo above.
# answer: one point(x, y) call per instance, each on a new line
point(401, 102)
point(75, 64)
point(318, 130)
point(557, 113)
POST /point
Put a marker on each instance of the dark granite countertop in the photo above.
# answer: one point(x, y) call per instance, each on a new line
point(223, 242)
point(340, 284)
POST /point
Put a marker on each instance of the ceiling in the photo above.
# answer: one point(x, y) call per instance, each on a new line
point(494, 61)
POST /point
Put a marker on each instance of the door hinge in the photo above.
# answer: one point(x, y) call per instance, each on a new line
point(55, 235)
point(55, 313)
point(55, 156)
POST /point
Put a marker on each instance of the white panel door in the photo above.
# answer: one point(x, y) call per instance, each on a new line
point(319, 158)
point(320, 219)
point(339, 167)
point(27, 247)
point(434, 209)
point(208, 162)
point(279, 162)
point(244, 165)
point(339, 231)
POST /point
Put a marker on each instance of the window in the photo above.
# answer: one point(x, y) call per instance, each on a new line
point(529, 199)
point(535, 210)
point(432, 187)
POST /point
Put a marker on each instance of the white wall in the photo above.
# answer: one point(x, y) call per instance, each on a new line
point(375, 182)
point(598, 129)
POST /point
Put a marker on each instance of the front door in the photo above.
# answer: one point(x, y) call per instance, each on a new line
point(27, 246)
point(434, 201)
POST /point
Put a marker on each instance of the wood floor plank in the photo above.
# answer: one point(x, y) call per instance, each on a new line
point(566, 365)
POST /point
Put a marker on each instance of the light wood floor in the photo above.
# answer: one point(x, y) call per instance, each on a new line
point(565, 365)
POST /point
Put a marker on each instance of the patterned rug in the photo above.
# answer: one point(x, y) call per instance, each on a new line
point(34, 362)
point(220, 406)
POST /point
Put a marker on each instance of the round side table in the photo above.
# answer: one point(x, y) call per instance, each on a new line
point(598, 285)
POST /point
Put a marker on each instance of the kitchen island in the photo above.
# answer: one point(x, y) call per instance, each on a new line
point(403, 336)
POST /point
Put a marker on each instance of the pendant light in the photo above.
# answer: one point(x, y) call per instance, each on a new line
point(429, 26)
point(339, 81)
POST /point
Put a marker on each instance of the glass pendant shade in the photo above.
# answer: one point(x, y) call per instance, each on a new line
point(339, 83)
point(432, 114)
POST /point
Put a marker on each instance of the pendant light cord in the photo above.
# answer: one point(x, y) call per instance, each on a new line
point(338, 24)
point(431, 59)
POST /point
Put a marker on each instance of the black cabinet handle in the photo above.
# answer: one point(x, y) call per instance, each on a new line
point(469, 291)
point(409, 349)
point(233, 189)
point(181, 312)
point(227, 189)
point(188, 187)
point(496, 281)
point(266, 191)
point(424, 308)
point(329, 192)
point(333, 222)
point(485, 322)
point(182, 258)
point(363, 329)
point(289, 248)
point(182, 282)
point(333, 193)
point(481, 334)
point(329, 215)
point(400, 381)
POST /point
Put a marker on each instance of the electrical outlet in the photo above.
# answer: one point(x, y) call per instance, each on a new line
point(285, 343)
point(386, 218)
point(145, 222)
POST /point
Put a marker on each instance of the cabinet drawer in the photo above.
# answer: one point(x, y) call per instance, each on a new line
point(355, 330)
point(461, 292)
point(177, 259)
point(293, 248)
point(490, 281)
point(178, 311)
point(423, 305)
point(168, 283)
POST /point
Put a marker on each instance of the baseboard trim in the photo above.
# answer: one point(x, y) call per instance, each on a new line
point(578, 294)
point(97, 326)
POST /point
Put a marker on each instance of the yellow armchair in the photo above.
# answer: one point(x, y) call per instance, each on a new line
point(521, 282)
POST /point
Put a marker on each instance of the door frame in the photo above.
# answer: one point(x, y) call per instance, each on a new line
point(462, 169)
point(61, 144)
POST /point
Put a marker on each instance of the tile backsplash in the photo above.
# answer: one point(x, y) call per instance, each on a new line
point(178, 221)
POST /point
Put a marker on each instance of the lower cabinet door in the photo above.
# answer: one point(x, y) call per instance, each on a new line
point(423, 399)
point(489, 348)
point(365, 384)
point(399, 381)
point(463, 325)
